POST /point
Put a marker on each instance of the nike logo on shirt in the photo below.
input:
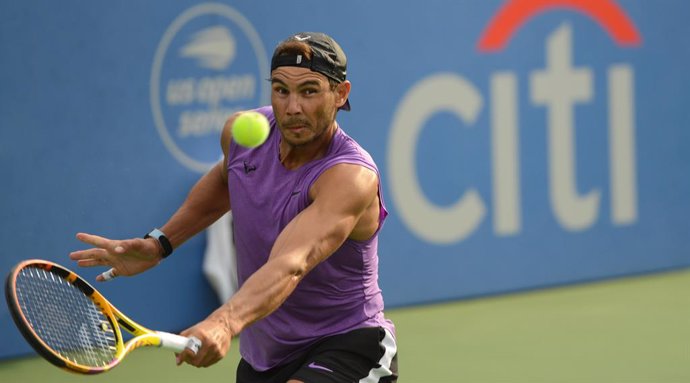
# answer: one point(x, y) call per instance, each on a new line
point(248, 168)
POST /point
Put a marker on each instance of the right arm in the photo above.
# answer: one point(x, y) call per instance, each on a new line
point(207, 201)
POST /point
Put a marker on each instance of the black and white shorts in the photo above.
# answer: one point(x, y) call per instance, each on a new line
point(366, 355)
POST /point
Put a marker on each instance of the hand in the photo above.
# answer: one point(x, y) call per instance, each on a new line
point(125, 257)
point(215, 339)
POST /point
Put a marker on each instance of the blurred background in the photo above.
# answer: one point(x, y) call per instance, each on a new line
point(533, 155)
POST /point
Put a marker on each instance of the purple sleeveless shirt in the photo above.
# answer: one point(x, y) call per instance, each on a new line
point(338, 295)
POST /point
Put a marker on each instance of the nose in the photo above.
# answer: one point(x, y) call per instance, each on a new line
point(293, 104)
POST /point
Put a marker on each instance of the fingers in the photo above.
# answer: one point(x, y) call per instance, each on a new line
point(194, 344)
point(95, 240)
point(106, 276)
point(204, 358)
point(87, 254)
point(185, 356)
point(96, 256)
point(90, 257)
point(208, 353)
point(188, 356)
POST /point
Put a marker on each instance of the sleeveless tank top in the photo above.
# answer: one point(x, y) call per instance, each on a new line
point(341, 293)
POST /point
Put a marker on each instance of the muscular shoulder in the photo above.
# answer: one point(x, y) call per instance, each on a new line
point(350, 191)
point(347, 181)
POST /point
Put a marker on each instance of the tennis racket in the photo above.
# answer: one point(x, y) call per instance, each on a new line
point(71, 324)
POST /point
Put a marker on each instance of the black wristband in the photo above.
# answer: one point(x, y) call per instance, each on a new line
point(162, 239)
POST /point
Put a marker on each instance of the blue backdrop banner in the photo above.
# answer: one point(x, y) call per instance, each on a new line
point(523, 144)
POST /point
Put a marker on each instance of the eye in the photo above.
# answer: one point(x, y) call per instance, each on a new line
point(280, 90)
point(310, 91)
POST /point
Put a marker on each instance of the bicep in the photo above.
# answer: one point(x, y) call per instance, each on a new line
point(340, 197)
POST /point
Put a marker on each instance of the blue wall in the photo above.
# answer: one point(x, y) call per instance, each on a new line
point(520, 148)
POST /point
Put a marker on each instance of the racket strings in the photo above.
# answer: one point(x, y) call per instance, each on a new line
point(65, 319)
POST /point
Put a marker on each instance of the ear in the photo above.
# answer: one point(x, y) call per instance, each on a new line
point(342, 92)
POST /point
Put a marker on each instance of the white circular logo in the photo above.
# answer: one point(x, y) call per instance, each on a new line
point(209, 64)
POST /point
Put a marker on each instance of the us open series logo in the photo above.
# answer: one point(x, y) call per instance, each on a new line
point(209, 64)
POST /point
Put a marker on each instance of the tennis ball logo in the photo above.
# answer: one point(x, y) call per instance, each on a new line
point(250, 129)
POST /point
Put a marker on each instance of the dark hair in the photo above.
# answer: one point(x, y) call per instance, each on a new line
point(295, 47)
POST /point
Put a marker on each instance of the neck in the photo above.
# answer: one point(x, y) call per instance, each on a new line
point(294, 156)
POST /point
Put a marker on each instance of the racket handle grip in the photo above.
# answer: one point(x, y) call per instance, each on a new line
point(179, 343)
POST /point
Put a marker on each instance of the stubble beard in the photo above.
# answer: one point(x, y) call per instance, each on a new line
point(324, 123)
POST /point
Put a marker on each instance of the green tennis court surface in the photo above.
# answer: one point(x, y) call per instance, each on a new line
point(626, 330)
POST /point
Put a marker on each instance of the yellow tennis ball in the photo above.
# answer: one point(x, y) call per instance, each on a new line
point(250, 129)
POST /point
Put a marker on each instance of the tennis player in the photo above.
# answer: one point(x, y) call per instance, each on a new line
point(307, 209)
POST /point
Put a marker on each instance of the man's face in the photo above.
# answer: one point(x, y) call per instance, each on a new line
point(303, 103)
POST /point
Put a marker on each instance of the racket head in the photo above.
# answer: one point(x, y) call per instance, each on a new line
point(63, 317)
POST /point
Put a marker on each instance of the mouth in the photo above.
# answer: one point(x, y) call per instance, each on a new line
point(295, 128)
